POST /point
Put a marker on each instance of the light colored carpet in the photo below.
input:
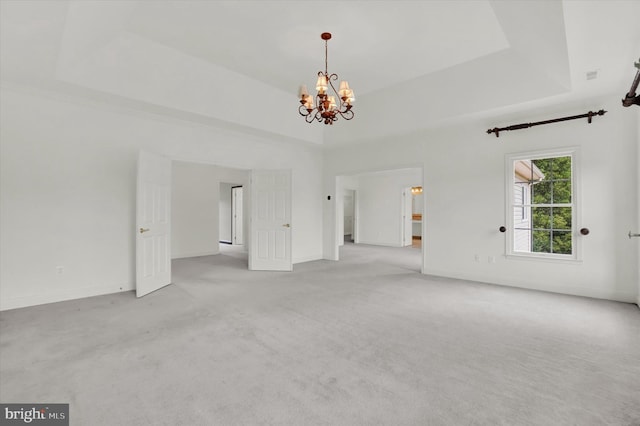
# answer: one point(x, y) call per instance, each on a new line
point(365, 341)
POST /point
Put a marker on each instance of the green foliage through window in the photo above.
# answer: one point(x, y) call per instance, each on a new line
point(549, 202)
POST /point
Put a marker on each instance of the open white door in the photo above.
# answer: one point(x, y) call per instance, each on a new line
point(270, 229)
point(407, 217)
point(237, 219)
point(153, 223)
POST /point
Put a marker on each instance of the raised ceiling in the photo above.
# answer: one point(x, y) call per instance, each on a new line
point(412, 64)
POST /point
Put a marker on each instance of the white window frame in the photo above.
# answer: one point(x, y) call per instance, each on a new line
point(576, 241)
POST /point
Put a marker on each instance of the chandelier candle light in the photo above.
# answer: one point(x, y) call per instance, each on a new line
point(327, 109)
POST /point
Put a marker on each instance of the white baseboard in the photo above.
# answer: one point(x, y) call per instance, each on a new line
point(307, 258)
point(195, 254)
point(377, 243)
point(562, 289)
point(61, 295)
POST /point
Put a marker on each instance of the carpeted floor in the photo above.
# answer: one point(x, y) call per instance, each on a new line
point(364, 341)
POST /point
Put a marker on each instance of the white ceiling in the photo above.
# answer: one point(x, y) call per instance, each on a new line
point(279, 42)
point(412, 64)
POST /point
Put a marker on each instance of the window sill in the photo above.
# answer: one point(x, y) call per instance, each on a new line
point(544, 258)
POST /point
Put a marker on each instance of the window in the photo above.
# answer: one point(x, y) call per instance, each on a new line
point(542, 205)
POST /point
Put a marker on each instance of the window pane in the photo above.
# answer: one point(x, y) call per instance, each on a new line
point(541, 192)
point(562, 192)
point(561, 168)
point(541, 242)
point(541, 217)
point(544, 164)
point(562, 242)
point(561, 218)
point(540, 224)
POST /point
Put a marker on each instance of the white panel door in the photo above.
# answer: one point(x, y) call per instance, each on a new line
point(270, 248)
point(236, 215)
point(407, 217)
point(153, 223)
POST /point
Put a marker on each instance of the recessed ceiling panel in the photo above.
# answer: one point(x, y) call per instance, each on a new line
point(375, 44)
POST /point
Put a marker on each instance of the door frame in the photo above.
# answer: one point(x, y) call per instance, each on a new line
point(246, 194)
point(336, 212)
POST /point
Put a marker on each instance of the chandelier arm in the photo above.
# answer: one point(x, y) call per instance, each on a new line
point(343, 105)
point(333, 76)
point(302, 110)
point(347, 115)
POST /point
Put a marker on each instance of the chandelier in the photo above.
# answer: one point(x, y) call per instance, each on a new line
point(325, 107)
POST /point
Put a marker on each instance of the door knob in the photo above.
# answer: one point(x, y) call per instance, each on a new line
point(286, 225)
point(142, 230)
point(631, 234)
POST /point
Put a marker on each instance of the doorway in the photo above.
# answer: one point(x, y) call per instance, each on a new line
point(177, 216)
point(231, 214)
point(349, 216)
point(379, 208)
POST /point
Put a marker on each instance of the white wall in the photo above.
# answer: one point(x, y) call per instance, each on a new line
point(464, 188)
point(194, 210)
point(637, 229)
point(68, 170)
point(200, 206)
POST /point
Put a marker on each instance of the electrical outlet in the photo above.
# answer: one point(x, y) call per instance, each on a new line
point(477, 258)
point(59, 269)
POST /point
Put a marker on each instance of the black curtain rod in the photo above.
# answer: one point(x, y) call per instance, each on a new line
point(588, 115)
point(631, 98)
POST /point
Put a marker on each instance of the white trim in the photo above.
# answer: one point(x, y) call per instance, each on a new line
point(377, 243)
point(305, 259)
point(545, 257)
point(195, 254)
point(532, 285)
point(576, 216)
point(63, 295)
